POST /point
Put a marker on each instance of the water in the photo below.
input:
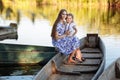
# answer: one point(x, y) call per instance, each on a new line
point(34, 26)
point(112, 44)
point(28, 77)
point(19, 70)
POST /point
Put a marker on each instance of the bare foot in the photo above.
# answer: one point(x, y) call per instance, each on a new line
point(80, 59)
point(71, 61)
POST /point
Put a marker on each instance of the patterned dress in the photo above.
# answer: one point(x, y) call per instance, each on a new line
point(70, 28)
point(67, 44)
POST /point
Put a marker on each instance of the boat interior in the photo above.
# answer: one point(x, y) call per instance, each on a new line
point(93, 55)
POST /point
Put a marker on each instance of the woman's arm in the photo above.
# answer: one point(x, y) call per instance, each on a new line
point(60, 36)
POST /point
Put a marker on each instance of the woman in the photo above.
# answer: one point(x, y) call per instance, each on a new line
point(62, 41)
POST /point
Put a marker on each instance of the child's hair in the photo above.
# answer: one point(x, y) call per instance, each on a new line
point(70, 14)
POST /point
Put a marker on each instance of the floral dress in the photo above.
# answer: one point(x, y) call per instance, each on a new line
point(70, 28)
point(67, 44)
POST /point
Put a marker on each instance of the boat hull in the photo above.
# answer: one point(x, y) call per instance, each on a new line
point(112, 72)
point(8, 32)
point(16, 54)
point(55, 69)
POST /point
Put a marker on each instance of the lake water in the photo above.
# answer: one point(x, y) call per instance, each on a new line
point(34, 26)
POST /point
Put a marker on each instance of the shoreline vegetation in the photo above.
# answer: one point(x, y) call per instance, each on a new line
point(93, 14)
point(31, 8)
point(110, 3)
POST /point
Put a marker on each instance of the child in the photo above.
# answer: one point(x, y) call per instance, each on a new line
point(70, 26)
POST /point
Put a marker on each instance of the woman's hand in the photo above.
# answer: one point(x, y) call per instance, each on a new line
point(61, 36)
point(67, 33)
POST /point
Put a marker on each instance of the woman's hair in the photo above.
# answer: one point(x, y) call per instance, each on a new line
point(56, 21)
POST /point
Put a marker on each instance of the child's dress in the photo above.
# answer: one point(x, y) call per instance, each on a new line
point(70, 28)
point(67, 44)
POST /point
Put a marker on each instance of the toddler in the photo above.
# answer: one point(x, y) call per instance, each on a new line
point(70, 26)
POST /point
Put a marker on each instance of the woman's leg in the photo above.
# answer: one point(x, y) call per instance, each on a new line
point(70, 58)
point(78, 54)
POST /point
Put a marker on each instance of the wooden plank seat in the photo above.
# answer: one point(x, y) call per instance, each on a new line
point(90, 50)
point(73, 69)
point(77, 68)
point(60, 71)
point(70, 77)
point(88, 61)
point(92, 55)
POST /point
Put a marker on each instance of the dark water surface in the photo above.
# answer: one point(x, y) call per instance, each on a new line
point(19, 70)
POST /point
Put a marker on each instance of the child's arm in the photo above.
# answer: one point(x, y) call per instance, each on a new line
point(75, 30)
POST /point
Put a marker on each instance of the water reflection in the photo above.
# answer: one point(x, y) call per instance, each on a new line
point(18, 16)
point(113, 13)
point(34, 25)
point(9, 11)
point(96, 19)
point(33, 17)
point(19, 70)
point(1, 7)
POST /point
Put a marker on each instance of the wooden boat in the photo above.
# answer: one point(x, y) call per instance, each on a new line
point(8, 32)
point(92, 49)
point(16, 54)
point(112, 72)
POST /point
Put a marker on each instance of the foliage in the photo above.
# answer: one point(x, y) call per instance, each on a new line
point(95, 14)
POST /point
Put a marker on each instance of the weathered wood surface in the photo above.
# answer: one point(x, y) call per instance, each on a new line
point(111, 73)
point(71, 77)
point(58, 70)
point(78, 68)
point(8, 32)
point(74, 71)
point(90, 50)
point(89, 61)
point(92, 55)
point(13, 54)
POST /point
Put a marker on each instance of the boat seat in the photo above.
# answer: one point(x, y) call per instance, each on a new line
point(92, 40)
point(58, 70)
point(77, 68)
point(90, 50)
point(91, 60)
point(117, 68)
